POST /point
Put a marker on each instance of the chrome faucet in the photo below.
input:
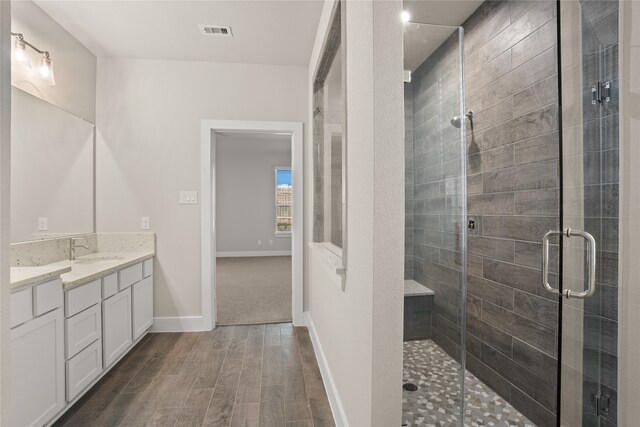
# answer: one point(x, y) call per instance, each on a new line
point(73, 244)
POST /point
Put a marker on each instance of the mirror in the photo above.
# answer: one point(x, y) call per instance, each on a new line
point(52, 170)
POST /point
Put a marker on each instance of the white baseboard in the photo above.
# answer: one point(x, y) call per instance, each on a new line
point(239, 254)
point(177, 324)
point(329, 385)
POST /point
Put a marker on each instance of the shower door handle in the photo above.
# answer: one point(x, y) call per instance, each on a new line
point(591, 262)
point(545, 260)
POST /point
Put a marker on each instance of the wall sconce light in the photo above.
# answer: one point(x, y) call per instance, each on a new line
point(19, 50)
point(45, 67)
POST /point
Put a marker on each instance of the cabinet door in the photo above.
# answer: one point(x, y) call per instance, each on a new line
point(142, 306)
point(116, 325)
point(37, 370)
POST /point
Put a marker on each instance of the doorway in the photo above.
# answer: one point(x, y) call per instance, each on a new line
point(253, 222)
point(217, 134)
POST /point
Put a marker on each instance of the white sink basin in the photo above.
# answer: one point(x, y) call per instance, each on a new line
point(97, 259)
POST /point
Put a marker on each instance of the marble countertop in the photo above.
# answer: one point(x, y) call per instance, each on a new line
point(83, 270)
point(23, 276)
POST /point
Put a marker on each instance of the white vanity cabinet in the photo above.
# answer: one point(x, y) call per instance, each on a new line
point(128, 313)
point(37, 354)
point(142, 306)
point(64, 341)
point(116, 315)
point(104, 318)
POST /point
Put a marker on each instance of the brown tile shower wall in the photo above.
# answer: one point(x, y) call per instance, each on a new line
point(511, 86)
point(408, 181)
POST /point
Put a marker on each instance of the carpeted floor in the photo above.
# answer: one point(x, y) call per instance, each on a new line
point(253, 290)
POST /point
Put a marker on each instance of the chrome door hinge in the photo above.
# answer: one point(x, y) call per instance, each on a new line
point(603, 403)
point(600, 93)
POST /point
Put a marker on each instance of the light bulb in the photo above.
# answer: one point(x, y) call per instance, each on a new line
point(45, 70)
point(405, 17)
point(45, 67)
point(19, 50)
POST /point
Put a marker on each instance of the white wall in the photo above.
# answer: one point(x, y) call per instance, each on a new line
point(148, 149)
point(245, 192)
point(74, 65)
point(389, 210)
point(629, 268)
point(51, 169)
point(360, 329)
point(5, 178)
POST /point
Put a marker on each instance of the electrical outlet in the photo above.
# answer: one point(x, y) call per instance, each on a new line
point(43, 223)
point(188, 197)
point(144, 223)
point(259, 242)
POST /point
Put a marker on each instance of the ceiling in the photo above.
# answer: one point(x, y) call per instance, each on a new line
point(420, 41)
point(441, 12)
point(264, 31)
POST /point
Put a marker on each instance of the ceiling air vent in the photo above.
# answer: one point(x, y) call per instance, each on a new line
point(215, 30)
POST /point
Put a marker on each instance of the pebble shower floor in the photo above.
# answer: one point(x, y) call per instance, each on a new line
point(436, 401)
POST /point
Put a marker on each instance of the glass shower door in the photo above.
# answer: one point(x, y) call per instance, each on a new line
point(588, 233)
point(436, 235)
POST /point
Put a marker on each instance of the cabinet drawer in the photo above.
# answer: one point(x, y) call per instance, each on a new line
point(21, 307)
point(130, 275)
point(83, 329)
point(109, 285)
point(82, 297)
point(147, 267)
point(83, 368)
point(47, 296)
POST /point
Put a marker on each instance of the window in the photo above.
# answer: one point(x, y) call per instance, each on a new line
point(329, 140)
point(284, 200)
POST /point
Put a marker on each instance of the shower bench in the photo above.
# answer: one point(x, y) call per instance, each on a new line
point(418, 304)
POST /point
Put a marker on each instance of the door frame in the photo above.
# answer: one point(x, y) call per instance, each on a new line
point(209, 128)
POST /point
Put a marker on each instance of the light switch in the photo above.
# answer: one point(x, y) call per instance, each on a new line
point(144, 222)
point(188, 197)
point(43, 223)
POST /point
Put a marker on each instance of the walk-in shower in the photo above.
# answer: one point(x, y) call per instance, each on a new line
point(502, 148)
point(435, 226)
